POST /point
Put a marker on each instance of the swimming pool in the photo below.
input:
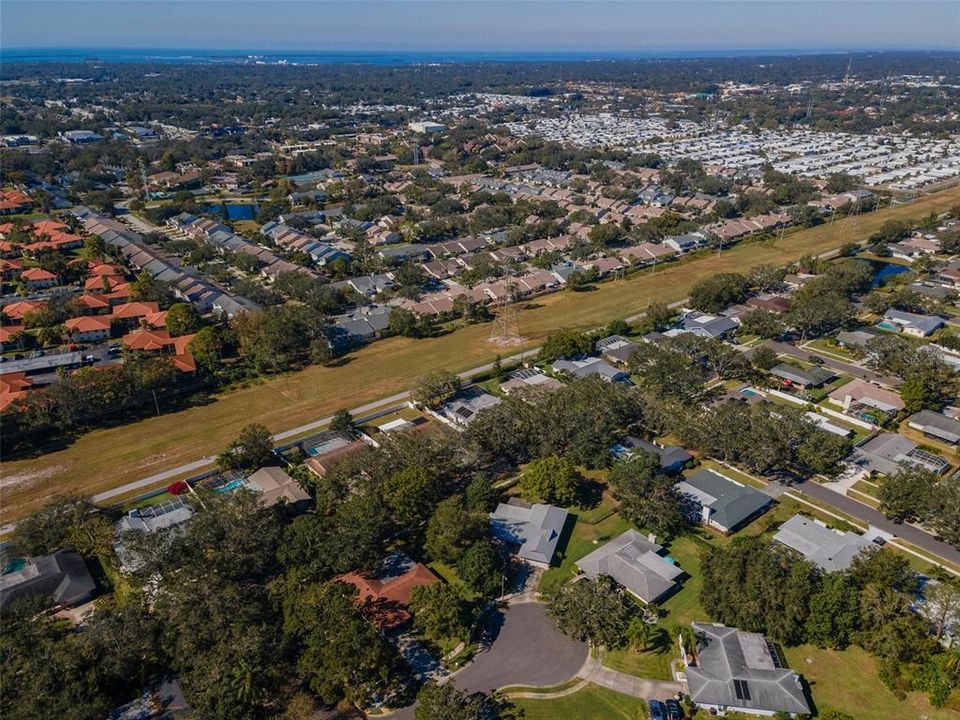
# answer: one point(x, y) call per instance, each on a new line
point(14, 565)
point(232, 485)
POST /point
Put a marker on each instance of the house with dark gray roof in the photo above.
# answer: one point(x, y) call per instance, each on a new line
point(62, 577)
point(534, 530)
point(936, 425)
point(616, 349)
point(828, 549)
point(717, 501)
point(736, 671)
point(636, 563)
point(804, 377)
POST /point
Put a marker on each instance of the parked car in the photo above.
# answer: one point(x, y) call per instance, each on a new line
point(674, 711)
point(816, 360)
point(656, 710)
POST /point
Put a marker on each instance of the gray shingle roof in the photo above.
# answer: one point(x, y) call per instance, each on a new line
point(536, 529)
point(830, 550)
point(936, 424)
point(737, 669)
point(61, 576)
point(634, 562)
point(729, 502)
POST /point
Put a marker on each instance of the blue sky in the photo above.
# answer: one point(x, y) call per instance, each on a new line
point(475, 25)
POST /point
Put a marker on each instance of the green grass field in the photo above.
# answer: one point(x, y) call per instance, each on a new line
point(109, 457)
point(591, 703)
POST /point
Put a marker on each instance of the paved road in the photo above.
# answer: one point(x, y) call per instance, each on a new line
point(527, 650)
point(867, 514)
point(834, 364)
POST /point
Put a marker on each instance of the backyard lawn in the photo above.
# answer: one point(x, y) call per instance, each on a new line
point(848, 681)
point(105, 458)
point(591, 703)
point(584, 539)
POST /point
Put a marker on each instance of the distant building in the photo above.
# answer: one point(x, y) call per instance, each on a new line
point(427, 127)
point(81, 137)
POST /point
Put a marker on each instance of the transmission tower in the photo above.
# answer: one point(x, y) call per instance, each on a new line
point(506, 329)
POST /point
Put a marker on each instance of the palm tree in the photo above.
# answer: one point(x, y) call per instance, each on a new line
point(639, 633)
point(242, 678)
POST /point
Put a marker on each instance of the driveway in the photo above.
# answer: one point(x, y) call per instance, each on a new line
point(526, 649)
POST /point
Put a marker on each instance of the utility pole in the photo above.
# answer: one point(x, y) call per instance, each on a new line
point(155, 403)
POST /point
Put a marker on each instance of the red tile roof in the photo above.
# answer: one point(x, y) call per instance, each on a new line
point(385, 601)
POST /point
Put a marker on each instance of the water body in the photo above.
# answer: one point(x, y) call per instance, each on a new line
point(234, 212)
point(884, 271)
point(306, 57)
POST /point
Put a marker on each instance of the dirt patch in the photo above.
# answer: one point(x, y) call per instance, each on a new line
point(25, 479)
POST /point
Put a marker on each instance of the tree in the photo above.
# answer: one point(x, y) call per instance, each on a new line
point(639, 633)
point(182, 319)
point(942, 604)
point(481, 568)
point(658, 316)
point(452, 529)
point(597, 610)
point(435, 388)
point(646, 496)
point(446, 702)
point(765, 358)
point(343, 656)
point(762, 323)
point(818, 313)
point(717, 292)
point(411, 493)
point(906, 495)
point(343, 422)
point(834, 613)
point(252, 449)
point(552, 480)
point(403, 322)
point(944, 512)
point(765, 277)
point(66, 522)
point(205, 347)
point(438, 610)
point(565, 344)
point(146, 288)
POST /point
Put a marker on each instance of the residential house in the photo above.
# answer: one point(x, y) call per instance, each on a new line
point(36, 278)
point(616, 348)
point(888, 452)
point(735, 671)
point(589, 367)
point(717, 501)
point(866, 401)
point(636, 563)
point(384, 594)
point(61, 577)
point(167, 516)
point(524, 378)
point(911, 323)
point(274, 485)
point(936, 425)
point(89, 328)
point(704, 325)
point(854, 338)
point(533, 530)
point(802, 377)
point(672, 458)
point(463, 409)
point(828, 549)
